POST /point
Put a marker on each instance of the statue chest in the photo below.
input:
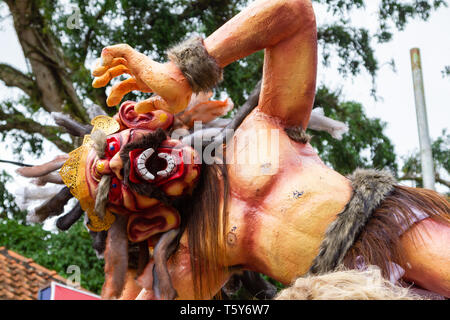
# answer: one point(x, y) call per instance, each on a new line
point(281, 202)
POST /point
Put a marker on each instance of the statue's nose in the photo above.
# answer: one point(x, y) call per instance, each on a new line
point(102, 167)
point(116, 166)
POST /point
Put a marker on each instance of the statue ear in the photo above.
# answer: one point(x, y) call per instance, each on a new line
point(129, 118)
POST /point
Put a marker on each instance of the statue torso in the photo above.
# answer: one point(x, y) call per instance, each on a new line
point(282, 199)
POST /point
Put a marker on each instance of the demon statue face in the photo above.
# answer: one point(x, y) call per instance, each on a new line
point(128, 166)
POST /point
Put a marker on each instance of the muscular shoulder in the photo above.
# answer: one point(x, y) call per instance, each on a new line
point(260, 151)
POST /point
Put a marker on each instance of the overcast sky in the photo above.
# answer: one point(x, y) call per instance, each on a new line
point(395, 88)
point(396, 106)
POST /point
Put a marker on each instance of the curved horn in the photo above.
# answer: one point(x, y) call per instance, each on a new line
point(52, 177)
point(116, 259)
point(242, 113)
point(72, 127)
point(52, 207)
point(43, 169)
point(66, 221)
point(162, 283)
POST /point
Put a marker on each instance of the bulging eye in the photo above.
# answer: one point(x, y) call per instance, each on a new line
point(115, 190)
point(112, 147)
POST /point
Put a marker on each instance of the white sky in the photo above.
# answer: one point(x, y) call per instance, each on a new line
point(396, 90)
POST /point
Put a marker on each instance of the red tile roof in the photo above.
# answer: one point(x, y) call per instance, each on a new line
point(21, 278)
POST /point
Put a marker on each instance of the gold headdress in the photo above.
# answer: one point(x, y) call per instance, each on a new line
point(74, 176)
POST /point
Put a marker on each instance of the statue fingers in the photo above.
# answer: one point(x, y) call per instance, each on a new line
point(111, 73)
point(99, 69)
point(119, 90)
point(116, 51)
point(151, 104)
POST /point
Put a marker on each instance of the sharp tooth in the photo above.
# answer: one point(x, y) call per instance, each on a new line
point(148, 152)
point(149, 176)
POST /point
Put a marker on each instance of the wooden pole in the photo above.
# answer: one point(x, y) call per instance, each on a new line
point(422, 122)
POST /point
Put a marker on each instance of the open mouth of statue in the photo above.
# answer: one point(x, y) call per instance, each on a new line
point(163, 161)
point(155, 166)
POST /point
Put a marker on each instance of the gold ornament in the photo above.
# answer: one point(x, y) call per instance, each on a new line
point(106, 124)
point(73, 174)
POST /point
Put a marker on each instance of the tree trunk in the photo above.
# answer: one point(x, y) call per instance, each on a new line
point(46, 60)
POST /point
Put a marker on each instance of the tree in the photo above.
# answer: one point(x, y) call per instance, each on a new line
point(440, 148)
point(365, 146)
point(59, 43)
point(56, 251)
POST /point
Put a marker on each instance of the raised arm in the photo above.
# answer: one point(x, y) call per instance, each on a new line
point(286, 29)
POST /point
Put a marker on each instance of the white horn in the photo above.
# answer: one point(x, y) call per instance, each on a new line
point(170, 165)
point(142, 169)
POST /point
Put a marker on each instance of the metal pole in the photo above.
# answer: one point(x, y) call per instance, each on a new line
point(422, 122)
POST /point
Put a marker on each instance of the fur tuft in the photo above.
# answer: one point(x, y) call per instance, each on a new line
point(347, 285)
point(369, 189)
point(199, 68)
point(101, 199)
point(379, 243)
point(99, 138)
point(298, 134)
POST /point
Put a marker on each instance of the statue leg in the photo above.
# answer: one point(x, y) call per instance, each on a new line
point(427, 256)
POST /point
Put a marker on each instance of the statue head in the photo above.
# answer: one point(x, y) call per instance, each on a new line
point(129, 166)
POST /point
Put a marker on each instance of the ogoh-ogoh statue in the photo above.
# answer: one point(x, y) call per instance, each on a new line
point(285, 214)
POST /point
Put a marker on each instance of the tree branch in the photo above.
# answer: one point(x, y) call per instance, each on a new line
point(18, 121)
point(87, 37)
point(15, 78)
point(412, 177)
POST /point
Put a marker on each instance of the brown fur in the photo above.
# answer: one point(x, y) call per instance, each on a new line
point(298, 134)
point(371, 223)
point(101, 200)
point(369, 189)
point(378, 244)
point(199, 68)
point(99, 138)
